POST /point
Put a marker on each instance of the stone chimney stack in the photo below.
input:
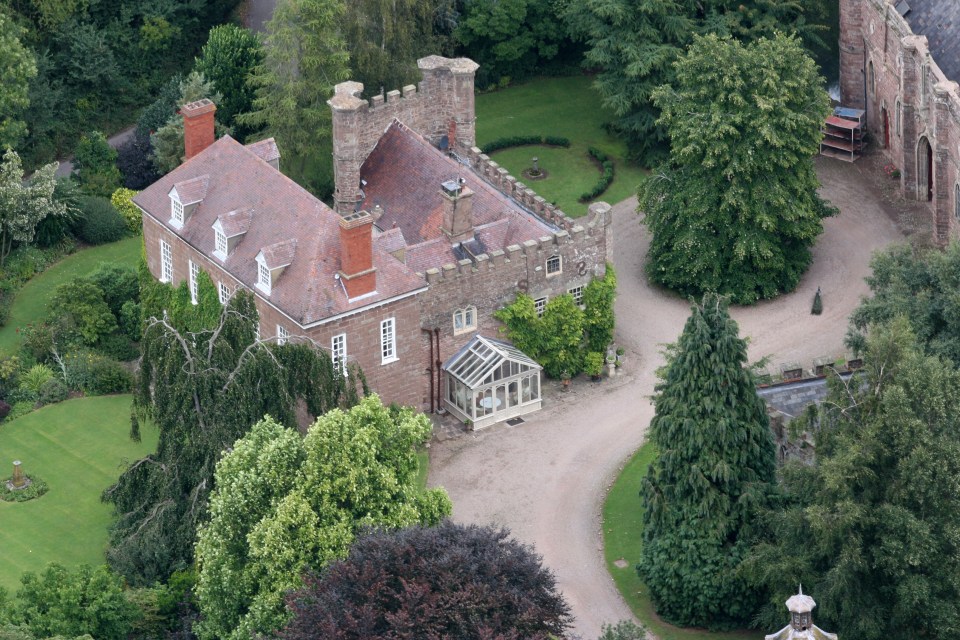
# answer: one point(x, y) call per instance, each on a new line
point(449, 83)
point(357, 272)
point(198, 127)
point(349, 152)
point(457, 211)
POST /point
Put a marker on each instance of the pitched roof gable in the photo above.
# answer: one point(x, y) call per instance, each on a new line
point(279, 254)
point(235, 223)
point(281, 210)
point(192, 191)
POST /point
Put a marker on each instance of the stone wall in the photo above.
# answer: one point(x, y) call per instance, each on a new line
point(404, 381)
point(889, 72)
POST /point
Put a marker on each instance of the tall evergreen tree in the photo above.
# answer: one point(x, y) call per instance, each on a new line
point(715, 467)
point(735, 209)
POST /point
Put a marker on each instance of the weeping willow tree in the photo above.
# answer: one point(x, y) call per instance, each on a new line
point(204, 386)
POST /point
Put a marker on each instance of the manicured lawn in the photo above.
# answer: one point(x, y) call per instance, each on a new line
point(31, 302)
point(79, 447)
point(622, 529)
point(568, 107)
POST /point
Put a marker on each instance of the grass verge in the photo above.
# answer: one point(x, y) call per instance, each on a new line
point(423, 458)
point(30, 305)
point(78, 447)
point(622, 540)
point(565, 106)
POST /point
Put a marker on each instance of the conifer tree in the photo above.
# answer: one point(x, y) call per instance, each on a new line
point(715, 467)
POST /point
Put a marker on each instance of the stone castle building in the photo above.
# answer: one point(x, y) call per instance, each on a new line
point(427, 238)
point(899, 61)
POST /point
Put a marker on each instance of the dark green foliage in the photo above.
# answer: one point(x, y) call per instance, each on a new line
point(871, 528)
point(203, 390)
point(920, 285)
point(513, 39)
point(227, 59)
point(4, 409)
point(95, 374)
point(36, 489)
point(53, 230)
point(714, 469)
point(159, 112)
point(817, 307)
point(598, 313)
point(52, 391)
point(470, 581)
point(118, 346)
point(519, 141)
point(60, 602)
point(554, 340)
point(118, 284)
point(134, 427)
point(130, 320)
point(95, 164)
point(135, 163)
point(17, 69)
point(735, 209)
point(99, 222)
point(78, 307)
point(606, 177)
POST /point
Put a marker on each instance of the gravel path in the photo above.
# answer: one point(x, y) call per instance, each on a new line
point(546, 479)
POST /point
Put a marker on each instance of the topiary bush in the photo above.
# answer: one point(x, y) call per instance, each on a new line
point(606, 177)
point(99, 222)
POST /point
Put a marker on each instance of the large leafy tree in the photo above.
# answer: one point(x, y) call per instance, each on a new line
point(204, 380)
point(873, 526)
point(735, 209)
point(714, 469)
point(17, 67)
point(227, 60)
point(305, 55)
point(24, 204)
point(634, 44)
point(283, 504)
point(448, 581)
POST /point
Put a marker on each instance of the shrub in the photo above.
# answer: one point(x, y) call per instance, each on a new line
point(623, 630)
point(118, 284)
point(593, 363)
point(130, 320)
point(4, 409)
point(519, 141)
point(20, 409)
point(606, 177)
point(34, 378)
point(598, 310)
point(36, 489)
point(52, 392)
point(96, 165)
point(135, 162)
point(95, 374)
point(121, 199)
point(99, 222)
point(36, 341)
point(79, 308)
point(119, 347)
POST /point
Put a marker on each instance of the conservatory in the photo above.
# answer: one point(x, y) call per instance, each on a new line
point(489, 381)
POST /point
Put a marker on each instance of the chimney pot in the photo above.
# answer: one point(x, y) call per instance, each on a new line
point(198, 126)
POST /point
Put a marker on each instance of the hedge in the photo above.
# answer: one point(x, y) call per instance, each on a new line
point(605, 178)
point(520, 141)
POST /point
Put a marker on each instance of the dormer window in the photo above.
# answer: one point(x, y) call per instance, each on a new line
point(176, 211)
point(228, 230)
point(185, 197)
point(263, 277)
point(220, 239)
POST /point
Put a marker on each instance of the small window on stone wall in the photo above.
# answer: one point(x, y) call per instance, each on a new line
point(540, 305)
point(464, 320)
point(577, 293)
point(554, 265)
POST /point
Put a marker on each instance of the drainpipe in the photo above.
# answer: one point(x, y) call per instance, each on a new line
point(436, 334)
point(430, 338)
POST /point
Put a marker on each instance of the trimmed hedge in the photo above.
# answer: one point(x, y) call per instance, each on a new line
point(606, 178)
point(520, 141)
point(100, 222)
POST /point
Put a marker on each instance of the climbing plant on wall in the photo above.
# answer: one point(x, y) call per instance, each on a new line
point(204, 384)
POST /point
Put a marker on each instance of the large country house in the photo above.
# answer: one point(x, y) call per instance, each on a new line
point(898, 61)
point(428, 238)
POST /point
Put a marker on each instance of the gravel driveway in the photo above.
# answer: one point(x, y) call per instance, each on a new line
point(546, 479)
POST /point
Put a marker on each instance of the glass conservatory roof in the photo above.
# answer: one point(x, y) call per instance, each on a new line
point(481, 358)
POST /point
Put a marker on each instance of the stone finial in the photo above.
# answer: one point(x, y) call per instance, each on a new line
point(346, 96)
point(800, 603)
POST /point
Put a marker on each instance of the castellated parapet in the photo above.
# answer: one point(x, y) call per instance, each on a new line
point(442, 106)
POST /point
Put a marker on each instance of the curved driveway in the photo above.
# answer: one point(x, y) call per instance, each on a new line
point(546, 479)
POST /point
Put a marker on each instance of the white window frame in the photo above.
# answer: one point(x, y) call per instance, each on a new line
point(577, 294)
point(166, 261)
point(194, 285)
point(263, 277)
point(388, 341)
point(220, 243)
point(559, 263)
point(282, 334)
point(223, 292)
point(464, 320)
point(176, 212)
point(338, 353)
point(540, 305)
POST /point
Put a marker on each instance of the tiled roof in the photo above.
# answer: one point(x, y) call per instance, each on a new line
point(193, 190)
point(266, 149)
point(403, 175)
point(235, 223)
point(279, 254)
point(391, 240)
point(281, 210)
point(939, 20)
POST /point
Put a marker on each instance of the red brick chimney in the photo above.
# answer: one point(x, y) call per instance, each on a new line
point(197, 126)
point(356, 254)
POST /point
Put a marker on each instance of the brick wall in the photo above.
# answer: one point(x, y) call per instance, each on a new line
point(874, 36)
point(403, 381)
